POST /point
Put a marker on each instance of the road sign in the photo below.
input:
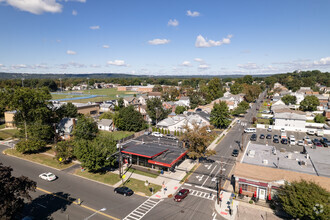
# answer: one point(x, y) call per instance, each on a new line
point(123, 176)
point(60, 159)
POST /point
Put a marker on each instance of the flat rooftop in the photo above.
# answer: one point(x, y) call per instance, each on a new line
point(321, 159)
point(264, 156)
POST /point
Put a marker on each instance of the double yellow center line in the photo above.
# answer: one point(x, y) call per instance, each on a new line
point(83, 206)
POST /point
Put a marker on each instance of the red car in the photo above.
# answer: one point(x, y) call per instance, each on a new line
point(181, 195)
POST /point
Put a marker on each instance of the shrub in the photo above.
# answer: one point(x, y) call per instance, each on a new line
point(30, 146)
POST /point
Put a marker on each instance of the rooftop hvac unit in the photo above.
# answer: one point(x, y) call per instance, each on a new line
point(265, 161)
point(290, 156)
point(251, 153)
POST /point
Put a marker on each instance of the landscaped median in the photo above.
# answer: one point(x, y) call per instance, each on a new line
point(38, 158)
point(132, 170)
point(140, 186)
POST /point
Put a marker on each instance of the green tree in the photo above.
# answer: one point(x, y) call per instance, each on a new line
point(251, 92)
point(86, 128)
point(13, 192)
point(289, 99)
point(247, 79)
point(106, 115)
point(30, 146)
point(155, 110)
point(197, 139)
point(121, 103)
point(129, 119)
point(309, 103)
point(236, 88)
point(96, 154)
point(64, 151)
point(241, 108)
point(220, 115)
point(157, 88)
point(68, 110)
point(212, 90)
point(180, 109)
point(30, 104)
point(319, 118)
point(300, 199)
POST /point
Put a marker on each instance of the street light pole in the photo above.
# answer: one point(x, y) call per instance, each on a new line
point(101, 210)
point(119, 160)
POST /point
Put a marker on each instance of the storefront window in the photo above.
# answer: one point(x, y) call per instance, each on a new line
point(248, 188)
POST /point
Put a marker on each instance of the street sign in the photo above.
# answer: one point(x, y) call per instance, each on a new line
point(60, 159)
point(123, 176)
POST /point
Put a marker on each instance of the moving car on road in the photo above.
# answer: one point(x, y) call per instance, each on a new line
point(235, 153)
point(250, 130)
point(47, 176)
point(181, 195)
point(124, 191)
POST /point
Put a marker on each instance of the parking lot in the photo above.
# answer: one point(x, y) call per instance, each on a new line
point(288, 147)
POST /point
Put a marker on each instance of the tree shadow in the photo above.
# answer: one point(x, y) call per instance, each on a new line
point(45, 205)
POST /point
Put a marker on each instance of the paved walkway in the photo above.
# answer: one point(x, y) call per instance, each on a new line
point(223, 133)
point(170, 181)
point(227, 207)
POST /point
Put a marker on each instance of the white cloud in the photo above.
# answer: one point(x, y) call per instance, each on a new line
point(95, 65)
point(35, 6)
point(193, 13)
point(173, 22)
point(186, 63)
point(199, 60)
point(71, 52)
point(1, 65)
point(248, 66)
point(105, 46)
point(19, 66)
point(74, 12)
point(158, 41)
point(72, 64)
point(323, 61)
point(203, 66)
point(96, 27)
point(117, 63)
point(201, 42)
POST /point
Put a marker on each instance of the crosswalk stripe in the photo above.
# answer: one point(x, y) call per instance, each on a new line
point(142, 209)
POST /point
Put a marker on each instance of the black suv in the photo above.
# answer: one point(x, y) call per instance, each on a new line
point(284, 141)
point(262, 136)
point(253, 137)
point(325, 142)
point(275, 140)
point(235, 153)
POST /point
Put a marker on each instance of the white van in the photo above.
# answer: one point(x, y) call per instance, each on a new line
point(319, 133)
point(250, 130)
point(311, 132)
point(292, 140)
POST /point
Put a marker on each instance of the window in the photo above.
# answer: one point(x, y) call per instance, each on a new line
point(248, 188)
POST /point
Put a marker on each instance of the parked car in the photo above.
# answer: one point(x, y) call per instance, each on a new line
point(147, 132)
point(308, 142)
point(157, 134)
point(284, 141)
point(300, 143)
point(292, 140)
point(310, 132)
point(275, 136)
point(235, 153)
point(262, 136)
point(306, 138)
point(48, 176)
point(269, 129)
point(181, 195)
point(253, 137)
point(276, 140)
point(317, 143)
point(325, 142)
point(282, 130)
point(269, 136)
point(124, 191)
point(319, 133)
point(170, 136)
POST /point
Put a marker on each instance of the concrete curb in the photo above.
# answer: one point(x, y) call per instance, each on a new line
point(32, 161)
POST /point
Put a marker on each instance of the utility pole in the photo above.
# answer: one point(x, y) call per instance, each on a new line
point(119, 160)
point(219, 183)
point(87, 83)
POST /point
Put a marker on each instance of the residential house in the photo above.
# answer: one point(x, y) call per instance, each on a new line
point(327, 114)
point(105, 125)
point(154, 95)
point(169, 105)
point(299, 97)
point(65, 128)
point(106, 107)
point(178, 122)
point(9, 119)
point(142, 99)
point(289, 119)
point(323, 99)
point(131, 100)
point(183, 101)
point(143, 110)
point(83, 108)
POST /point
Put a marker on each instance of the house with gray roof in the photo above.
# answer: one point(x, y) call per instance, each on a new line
point(289, 119)
point(105, 125)
point(65, 128)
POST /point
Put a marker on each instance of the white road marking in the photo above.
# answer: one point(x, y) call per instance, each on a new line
point(209, 175)
point(141, 210)
point(201, 194)
point(187, 184)
point(199, 178)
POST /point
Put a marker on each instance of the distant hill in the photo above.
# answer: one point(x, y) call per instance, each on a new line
point(4, 75)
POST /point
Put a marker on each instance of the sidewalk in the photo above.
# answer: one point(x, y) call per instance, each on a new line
point(225, 204)
point(171, 180)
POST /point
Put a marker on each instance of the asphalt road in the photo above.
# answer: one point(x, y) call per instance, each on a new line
point(206, 176)
point(94, 196)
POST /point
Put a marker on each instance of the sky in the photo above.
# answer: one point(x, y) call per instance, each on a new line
point(164, 37)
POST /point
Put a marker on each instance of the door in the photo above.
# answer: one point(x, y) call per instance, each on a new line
point(262, 194)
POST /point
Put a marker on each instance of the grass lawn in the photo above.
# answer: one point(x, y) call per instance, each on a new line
point(132, 170)
point(263, 121)
point(8, 133)
point(2, 126)
point(107, 94)
point(107, 178)
point(118, 134)
point(138, 186)
point(39, 158)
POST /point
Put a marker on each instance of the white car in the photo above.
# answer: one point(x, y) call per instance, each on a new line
point(157, 134)
point(300, 143)
point(47, 176)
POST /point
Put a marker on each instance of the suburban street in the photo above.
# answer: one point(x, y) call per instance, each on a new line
point(94, 196)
